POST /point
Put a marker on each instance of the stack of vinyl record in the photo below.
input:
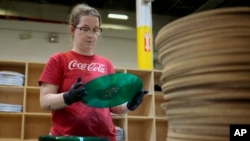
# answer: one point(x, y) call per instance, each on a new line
point(11, 78)
point(206, 73)
point(10, 107)
point(119, 134)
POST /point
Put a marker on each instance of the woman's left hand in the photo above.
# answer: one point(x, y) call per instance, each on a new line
point(136, 100)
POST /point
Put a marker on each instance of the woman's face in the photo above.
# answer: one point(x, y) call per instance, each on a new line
point(85, 34)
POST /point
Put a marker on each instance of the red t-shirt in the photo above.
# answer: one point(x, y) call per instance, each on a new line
point(78, 119)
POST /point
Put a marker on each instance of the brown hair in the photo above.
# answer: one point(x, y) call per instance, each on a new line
point(82, 10)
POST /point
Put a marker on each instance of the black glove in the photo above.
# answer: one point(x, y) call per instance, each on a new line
point(75, 93)
point(136, 100)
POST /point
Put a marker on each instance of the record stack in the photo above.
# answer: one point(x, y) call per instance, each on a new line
point(10, 107)
point(206, 73)
point(119, 134)
point(11, 78)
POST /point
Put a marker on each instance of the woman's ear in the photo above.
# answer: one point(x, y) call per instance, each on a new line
point(71, 30)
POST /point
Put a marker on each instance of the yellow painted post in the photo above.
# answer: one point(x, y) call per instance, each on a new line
point(144, 34)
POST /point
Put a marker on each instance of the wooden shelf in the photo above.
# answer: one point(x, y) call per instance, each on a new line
point(11, 126)
point(161, 130)
point(11, 94)
point(33, 73)
point(36, 126)
point(147, 123)
point(140, 130)
point(158, 101)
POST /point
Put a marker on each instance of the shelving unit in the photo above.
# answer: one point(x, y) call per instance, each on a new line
point(146, 123)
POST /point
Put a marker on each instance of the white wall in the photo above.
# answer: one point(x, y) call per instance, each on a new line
point(118, 45)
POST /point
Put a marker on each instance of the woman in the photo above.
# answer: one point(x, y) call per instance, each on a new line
point(61, 82)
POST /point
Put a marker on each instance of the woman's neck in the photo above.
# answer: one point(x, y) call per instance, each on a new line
point(86, 53)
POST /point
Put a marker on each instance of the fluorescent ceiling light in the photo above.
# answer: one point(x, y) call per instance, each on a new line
point(118, 16)
point(117, 27)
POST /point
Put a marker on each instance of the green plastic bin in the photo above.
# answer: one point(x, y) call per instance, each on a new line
point(70, 138)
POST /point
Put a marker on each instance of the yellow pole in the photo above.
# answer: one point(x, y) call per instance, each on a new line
point(144, 34)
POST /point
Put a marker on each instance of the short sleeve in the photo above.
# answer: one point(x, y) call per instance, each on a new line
point(52, 71)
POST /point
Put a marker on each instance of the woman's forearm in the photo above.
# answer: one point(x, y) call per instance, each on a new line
point(121, 109)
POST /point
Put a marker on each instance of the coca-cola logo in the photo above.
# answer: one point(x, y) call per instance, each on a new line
point(84, 66)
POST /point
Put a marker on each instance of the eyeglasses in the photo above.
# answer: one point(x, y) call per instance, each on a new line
point(86, 30)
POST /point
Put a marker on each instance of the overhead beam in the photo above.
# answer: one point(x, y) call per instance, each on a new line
point(211, 4)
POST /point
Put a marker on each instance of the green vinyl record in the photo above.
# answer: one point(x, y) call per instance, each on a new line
point(111, 90)
point(70, 138)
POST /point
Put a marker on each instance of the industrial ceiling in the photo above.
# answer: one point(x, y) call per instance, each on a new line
point(177, 8)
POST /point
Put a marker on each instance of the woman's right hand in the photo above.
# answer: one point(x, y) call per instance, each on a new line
point(75, 93)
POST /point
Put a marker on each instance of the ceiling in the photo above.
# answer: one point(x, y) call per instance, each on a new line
point(175, 8)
